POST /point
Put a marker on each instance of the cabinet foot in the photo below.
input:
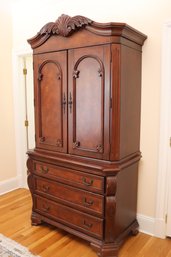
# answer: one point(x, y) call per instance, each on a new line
point(112, 249)
point(35, 219)
point(135, 232)
point(134, 229)
point(108, 250)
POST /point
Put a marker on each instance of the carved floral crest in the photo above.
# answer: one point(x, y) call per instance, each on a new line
point(65, 25)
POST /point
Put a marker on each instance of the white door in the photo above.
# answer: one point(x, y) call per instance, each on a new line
point(26, 112)
point(168, 209)
point(163, 204)
point(166, 83)
point(163, 193)
point(168, 216)
point(29, 101)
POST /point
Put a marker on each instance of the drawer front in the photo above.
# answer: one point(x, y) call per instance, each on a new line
point(80, 179)
point(84, 200)
point(66, 215)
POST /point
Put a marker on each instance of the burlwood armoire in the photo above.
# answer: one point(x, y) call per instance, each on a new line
point(83, 171)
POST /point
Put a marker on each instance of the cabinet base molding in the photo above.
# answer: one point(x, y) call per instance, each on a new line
point(38, 219)
point(35, 219)
point(112, 249)
point(106, 250)
point(101, 248)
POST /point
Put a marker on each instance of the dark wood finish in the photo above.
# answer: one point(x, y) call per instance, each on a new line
point(89, 114)
point(83, 171)
point(112, 249)
point(76, 198)
point(112, 32)
point(69, 216)
point(126, 199)
point(70, 177)
point(50, 78)
point(64, 25)
point(126, 92)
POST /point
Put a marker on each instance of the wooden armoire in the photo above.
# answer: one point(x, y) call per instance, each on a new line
point(83, 171)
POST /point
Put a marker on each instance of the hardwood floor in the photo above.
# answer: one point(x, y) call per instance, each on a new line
point(15, 211)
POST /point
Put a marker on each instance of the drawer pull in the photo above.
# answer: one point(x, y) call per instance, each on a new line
point(44, 170)
point(87, 203)
point(45, 188)
point(45, 208)
point(87, 183)
point(87, 225)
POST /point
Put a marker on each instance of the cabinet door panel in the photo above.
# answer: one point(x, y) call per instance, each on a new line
point(51, 98)
point(88, 101)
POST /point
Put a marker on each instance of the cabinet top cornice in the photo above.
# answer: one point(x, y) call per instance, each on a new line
point(66, 26)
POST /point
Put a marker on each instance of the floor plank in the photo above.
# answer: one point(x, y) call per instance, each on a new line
point(46, 241)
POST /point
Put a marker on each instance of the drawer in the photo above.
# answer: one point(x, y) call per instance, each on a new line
point(77, 178)
point(69, 195)
point(68, 216)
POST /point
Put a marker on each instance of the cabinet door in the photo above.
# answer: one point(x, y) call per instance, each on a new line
point(51, 100)
point(88, 101)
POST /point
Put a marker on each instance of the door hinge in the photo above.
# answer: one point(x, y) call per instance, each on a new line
point(166, 218)
point(26, 123)
point(25, 71)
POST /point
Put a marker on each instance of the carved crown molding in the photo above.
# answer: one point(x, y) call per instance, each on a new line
point(65, 25)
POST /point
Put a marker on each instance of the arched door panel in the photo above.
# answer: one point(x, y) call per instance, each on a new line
point(88, 73)
point(51, 99)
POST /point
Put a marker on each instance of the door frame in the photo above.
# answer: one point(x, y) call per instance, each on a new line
point(164, 156)
point(20, 139)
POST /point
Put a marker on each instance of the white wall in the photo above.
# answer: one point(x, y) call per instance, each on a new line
point(7, 134)
point(146, 16)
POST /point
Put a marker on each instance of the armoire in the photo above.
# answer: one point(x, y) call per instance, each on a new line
point(83, 172)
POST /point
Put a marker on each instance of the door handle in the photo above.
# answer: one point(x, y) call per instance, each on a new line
point(64, 102)
point(70, 102)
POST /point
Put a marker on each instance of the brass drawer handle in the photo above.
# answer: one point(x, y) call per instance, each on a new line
point(46, 208)
point(45, 188)
point(87, 183)
point(87, 203)
point(87, 225)
point(44, 170)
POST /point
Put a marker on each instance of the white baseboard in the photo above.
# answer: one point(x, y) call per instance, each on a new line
point(9, 185)
point(160, 228)
point(146, 224)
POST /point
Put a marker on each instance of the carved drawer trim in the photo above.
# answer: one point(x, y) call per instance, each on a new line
point(71, 177)
point(80, 199)
point(66, 215)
